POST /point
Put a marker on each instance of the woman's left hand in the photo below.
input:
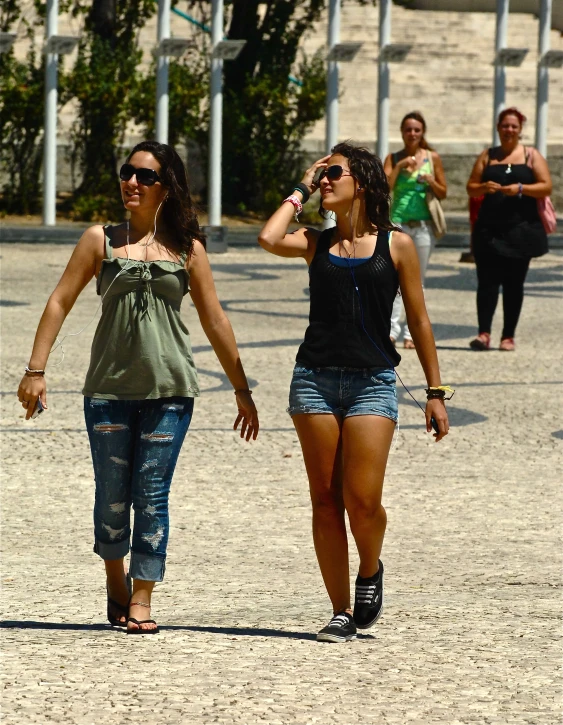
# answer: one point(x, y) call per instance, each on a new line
point(428, 178)
point(248, 414)
point(436, 409)
point(510, 190)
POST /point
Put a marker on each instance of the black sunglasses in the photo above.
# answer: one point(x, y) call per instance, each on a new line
point(333, 173)
point(146, 177)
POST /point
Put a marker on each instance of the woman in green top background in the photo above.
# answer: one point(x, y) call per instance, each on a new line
point(141, 383)
point(410, 172)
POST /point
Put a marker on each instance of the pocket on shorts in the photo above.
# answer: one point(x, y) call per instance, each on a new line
point(384, 377)
point(300, 371)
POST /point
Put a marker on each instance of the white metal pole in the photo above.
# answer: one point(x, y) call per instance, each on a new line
point(383, 80)
point(161, 123)
point(216, 119)
point(542, 97)
point(500, 73)
point(332, 77)
point(50, 131)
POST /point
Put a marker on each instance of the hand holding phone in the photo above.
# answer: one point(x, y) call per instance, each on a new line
point(38, 409)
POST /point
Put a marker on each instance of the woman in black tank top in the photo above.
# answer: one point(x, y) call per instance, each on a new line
point(508, 231)
point(343, 400)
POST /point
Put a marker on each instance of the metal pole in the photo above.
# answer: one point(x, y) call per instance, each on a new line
point(542, 97)
point(50, 133)
point(500, 73)
point(216, 119)
point(161, 123)
point(332, 77)
point(383, 80)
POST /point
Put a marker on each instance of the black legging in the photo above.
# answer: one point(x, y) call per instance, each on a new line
point(494, 271)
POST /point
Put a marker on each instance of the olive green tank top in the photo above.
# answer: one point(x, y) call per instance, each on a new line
point(141, 348)
point(409, 196)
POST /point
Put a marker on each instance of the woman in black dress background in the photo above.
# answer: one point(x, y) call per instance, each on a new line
point(508, 231)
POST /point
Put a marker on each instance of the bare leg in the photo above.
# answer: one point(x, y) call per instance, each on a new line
point(366, 440)
point(320, 440)
point(117, 585)
point(142, 591)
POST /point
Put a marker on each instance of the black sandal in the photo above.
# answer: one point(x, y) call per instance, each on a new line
point(123, 609)
point(140, 630)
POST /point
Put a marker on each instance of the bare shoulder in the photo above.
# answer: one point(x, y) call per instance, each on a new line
point(198, 256)
point(400, 240)
point(94, 234)
point(402, 248)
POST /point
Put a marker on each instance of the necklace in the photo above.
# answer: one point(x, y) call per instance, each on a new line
point(341, 246)
point(509, 169)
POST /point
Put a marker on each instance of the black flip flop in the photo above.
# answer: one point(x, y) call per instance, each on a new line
point(121, 608)
point(140, 630)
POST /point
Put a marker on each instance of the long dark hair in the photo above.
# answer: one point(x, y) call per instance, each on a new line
point(417, 116)
point(367, 169)
point(178, 210)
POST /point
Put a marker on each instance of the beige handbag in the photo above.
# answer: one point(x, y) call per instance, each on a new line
point(435, 207)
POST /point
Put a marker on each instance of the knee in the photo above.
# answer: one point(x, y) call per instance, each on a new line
point(362, 511)
point(327, 502)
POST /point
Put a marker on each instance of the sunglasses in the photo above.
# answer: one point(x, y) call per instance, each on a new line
point(333, 173)
point(146, 177)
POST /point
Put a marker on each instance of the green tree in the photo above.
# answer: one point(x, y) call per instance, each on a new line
point(267, 114)
point(103, 79)
point(21, 120)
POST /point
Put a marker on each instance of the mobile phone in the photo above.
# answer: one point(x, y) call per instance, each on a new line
point(434, 424)
point(38, 409)
point(317, 175)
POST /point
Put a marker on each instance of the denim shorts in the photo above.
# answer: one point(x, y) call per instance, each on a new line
point(344, 391)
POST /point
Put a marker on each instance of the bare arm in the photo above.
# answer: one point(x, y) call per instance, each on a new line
point(393, 172)
point(273, 236)
point(405, 259)
point(220, 334)
point(437, 181)
point(79, 271)
point(475, 187)
point(543, 185)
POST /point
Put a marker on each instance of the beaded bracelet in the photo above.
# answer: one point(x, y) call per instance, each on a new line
point(292, 199)
point(439, 392)
point(29, 371)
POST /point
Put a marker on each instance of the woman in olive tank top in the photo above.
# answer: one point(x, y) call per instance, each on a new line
point(141, 384)
point(342, 399)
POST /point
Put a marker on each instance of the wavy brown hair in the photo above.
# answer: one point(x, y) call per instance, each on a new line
point(417, 116)
point(367, 169)
point(178, 211)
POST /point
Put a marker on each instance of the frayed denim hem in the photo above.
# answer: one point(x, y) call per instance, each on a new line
point(146, 567)
point(110, 552)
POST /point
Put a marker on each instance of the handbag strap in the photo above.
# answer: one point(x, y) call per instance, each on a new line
point(529, 156)
point(430, 161)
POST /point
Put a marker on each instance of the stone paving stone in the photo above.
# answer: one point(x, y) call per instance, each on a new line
point(471, 627)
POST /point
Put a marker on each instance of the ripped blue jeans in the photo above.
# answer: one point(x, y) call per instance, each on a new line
point(135, 445)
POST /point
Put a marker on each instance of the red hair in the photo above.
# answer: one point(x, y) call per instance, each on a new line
point(512, 112)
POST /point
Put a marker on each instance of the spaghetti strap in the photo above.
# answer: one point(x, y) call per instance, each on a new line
point(107, 241)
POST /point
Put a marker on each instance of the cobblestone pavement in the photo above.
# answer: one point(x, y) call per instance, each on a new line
point(472, 554)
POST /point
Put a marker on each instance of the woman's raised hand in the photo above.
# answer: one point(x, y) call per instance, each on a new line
point(248, 414)
point(309, 175)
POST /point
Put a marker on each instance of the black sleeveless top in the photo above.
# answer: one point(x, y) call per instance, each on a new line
point(500, 213)
point(335, 336)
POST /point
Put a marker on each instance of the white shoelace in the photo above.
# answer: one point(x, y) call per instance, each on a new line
point(365, 593)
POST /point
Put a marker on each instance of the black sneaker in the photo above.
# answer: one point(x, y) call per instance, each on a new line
point(341, 628)
point(369, 600)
